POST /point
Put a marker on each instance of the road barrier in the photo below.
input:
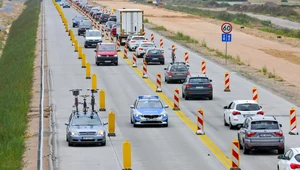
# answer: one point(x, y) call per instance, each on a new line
point(102, 100)
point(144, 33)
point(111, 124)
point(255, 94)
point(203, 67)
point(118, 43)
point(152, 38)
point(161, 43)
point(227, 82)
point(112, 39)
point(235, 155)
point(70, 31)
point(106, 35)
point(293, 122)
point(88, 70)
point(176, 99)
point(127, 155)
point(134, 60)
point(186, 58)
point(73, 40)
point(83, 61)
point(200, 122)
point(102, 29)
point(125, 52)
point(174, 50)
point(158, 83)
point(67, 26)
point(76, 45)
point(94, 82)
point(145, 71)
point(80, 52)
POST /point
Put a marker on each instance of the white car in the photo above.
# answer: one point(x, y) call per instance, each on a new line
point(92, 38)
point(135, 41)
point(143, 47)
point(290, 160)
point(238, 110)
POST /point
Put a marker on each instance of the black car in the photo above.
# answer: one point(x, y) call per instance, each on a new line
point(103, 18)
point(76, 20)
point(84, 25)
point(154, 56)
point(97, 15)
point(112, 18)
point(197, 86)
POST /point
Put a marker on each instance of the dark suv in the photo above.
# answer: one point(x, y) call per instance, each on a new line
point(83, 26)
point(197, 86)
point(177, 71)
point(103, 18)
point(261, 132)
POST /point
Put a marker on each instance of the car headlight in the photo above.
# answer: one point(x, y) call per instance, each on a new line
point(137, 114)
point(115, 55)
point(164, 114)
point(73, 133)
point(98, 55)
point(100, 132)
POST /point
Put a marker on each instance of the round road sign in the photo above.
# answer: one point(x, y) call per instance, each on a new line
point(226, 28)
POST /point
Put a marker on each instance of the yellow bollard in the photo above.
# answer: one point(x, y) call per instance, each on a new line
point(127, 155)
point(83, 61)
point(102, 100)
point(73, 39)
point(111, 124)
point(70, 31)
point(80, 52)
point(94, 82)
point(76, 45)
point(88, 70)
point(67, 27)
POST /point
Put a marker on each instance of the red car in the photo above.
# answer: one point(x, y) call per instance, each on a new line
point(106, 53)
point(114, 31)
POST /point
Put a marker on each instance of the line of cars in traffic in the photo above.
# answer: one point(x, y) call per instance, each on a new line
point(256, 130)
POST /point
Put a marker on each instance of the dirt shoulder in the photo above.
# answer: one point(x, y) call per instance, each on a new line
point(31, 152)
point(254, 48)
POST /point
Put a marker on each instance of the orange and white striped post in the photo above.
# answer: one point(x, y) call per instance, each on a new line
point(106, 35)
point(125, 52)
point(134, 60)
point(186, 58)
point(144, 33)
point(203, 67)
point(158, 83)
point(255, 94)
point(152, 38)
point(174, 50)
point(161, 43)
point(176, 99)
point(200, 122)
point(235, 155)
point(293, 122)
point(145, 70)
point(112, 39)
point(102, 29)
point(227, 82)
point(118, 43)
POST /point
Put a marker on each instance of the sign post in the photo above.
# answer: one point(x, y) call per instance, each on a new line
point(226, 36)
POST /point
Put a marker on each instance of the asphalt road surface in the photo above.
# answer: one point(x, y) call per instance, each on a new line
point(175, 147)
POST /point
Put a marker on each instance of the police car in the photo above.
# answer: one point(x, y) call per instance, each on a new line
point(148, 110)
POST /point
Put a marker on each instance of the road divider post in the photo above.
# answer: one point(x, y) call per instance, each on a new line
point(227, 82)
point(67, 27)
point(125, 52)
point(158, 83)
point(102, 100)
point(176, 100)
point(235, 155)
point(161, 43)
point(293, 122)
point(118, 44)
point(106, 35)
point(144, 33)
point(102, 30)
point(126, 155)
point(203, 67)
point(94, 82)
point(83, 61)
point(186, 58)
point(88, 70)
point(134, 65)
point(73, 39)
point(80, 52)
point(76, 45)
point(145, 70)
point(152, 38)
point(255, 94)
point(200, 122)
point(111, 124)
point(70, 31)
point(112, 39)
point(173, 50)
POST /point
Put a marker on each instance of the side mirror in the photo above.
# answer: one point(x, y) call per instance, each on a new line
point(280, 125)
point(95, 50)
point(260, 106)
point(105, 123)
point(165, 68)
point(131, 106)
point(280, 157)
point(210, 80)
point(67, 124)
point(225, 107)
point(166, 106)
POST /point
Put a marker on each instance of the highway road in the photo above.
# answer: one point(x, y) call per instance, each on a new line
point(175, 147)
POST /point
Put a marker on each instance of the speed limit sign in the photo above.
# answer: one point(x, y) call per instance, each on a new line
point(226, 28)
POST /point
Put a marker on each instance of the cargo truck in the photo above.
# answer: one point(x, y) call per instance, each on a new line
point(129, 22)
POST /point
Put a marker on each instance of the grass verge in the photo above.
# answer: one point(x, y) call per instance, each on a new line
point(16, 73)
point(182, 37)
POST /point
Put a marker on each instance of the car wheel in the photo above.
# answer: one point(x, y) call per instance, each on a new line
point(131, 120)
point(78, 34)
point(182, 94)
point(210, 97)
point(225, 123)
point(186, 97)
point(162, 63)
point(73, 26)
point(165, 79)
point(246, 151)
point(67, 139)
point(85, 46)
point(98, 64)
point(103, 143)
point(230, 125)
point(134, 125)
point(241, 146)
point(70, 143)
point(168, 81)
point(116, 63)
point(281, 151)
point(166, 125)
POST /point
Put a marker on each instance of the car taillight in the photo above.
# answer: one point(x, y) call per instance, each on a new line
point(147, 55)
point(140, 48)
point(294, 166)
point(188, 85)
point(236, 113)
point(278, 133)
point(188, 73)
point(209, 85)
point(250, 134)
point(162, 55)
point(169, 74)
point(260, 113)
point(132, 41)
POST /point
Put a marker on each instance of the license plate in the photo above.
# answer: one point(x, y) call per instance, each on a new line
point(107, 61)
point(265, 135)
point(150, 119)
point(88, 138)
point(154, 58)
point(199, 87)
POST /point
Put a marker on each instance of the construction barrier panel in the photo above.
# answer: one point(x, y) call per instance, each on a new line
point(186, 58)
point(235, 155)
point(227, 82)
point(200, 122)
point(255, 94)
point(176, 99)
point(134, 59)
point(145, 71)
point(293, 122)
point(158, 83)
point(161, 43)
point(203, 67)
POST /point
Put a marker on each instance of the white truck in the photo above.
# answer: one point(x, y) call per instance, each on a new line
point(129, 22)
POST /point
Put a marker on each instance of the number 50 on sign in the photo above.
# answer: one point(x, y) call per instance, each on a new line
point(226, 28)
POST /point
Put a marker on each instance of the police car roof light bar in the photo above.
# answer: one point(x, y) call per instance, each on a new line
point(148, 97)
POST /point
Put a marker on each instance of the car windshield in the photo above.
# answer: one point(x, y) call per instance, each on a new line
point(107, 48)
point(138, 38)
point(155, 51)
point(247, 107)
point(78, 18)
point(199, 80)
point(147, 45)
point(149, 104)
point(93, 34)
point(297, 157)
point(85, 121)
point(263, 124)
point(179, 68)
point(85, 23)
